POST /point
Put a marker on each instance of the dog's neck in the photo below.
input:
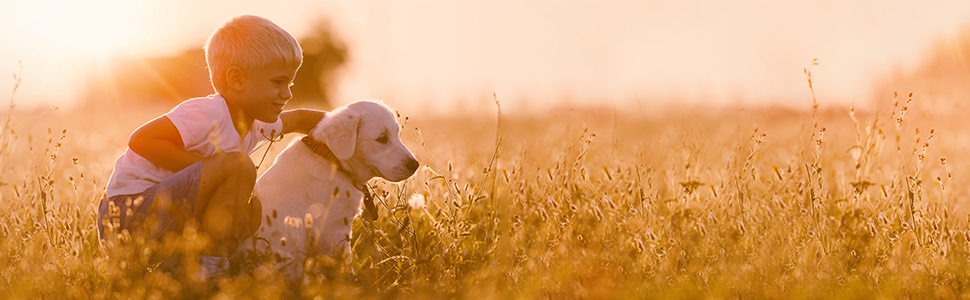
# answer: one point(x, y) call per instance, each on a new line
point(319, 148)
point(322, 150)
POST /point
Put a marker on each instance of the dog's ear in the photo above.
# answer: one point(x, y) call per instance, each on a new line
point(339, 131)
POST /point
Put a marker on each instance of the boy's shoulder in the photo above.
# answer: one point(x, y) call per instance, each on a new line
point(199, 115)
point(211, 108)
point(211, 103)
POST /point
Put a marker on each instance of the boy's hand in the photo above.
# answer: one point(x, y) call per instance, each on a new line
point(160, 142)
point(300, 120)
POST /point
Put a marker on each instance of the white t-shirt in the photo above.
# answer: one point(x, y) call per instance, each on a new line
point(206, 127)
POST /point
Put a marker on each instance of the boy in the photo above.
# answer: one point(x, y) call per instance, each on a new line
point(192, 165)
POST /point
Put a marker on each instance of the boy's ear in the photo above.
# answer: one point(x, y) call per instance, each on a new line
point(339, 131)
point(234, 79)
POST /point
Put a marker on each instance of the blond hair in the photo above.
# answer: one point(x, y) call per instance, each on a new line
point(250, 43)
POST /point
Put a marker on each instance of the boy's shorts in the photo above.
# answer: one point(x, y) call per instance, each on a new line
point(165, 207)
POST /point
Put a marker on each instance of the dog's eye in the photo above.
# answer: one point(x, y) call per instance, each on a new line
point(382, 139)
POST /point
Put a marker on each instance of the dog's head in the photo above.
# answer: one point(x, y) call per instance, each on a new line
point(364, 137)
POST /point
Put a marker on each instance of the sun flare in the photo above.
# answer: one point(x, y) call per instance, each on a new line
point(97, 29)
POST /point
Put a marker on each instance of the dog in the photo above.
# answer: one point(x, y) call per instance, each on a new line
point(314, 188)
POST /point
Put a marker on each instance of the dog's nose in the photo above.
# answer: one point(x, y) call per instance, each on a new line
point(411, 165)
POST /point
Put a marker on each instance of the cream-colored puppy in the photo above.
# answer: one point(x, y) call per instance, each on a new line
point(314, 189)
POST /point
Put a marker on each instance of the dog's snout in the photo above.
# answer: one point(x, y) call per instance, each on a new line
point(411, 165)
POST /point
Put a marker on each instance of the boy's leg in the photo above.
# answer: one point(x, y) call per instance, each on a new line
point(223, 207)
point(163, 208)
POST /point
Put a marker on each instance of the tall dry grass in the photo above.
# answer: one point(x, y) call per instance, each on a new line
point(757, 203)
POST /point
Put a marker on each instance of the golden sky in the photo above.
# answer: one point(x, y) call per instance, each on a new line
point(443, 55)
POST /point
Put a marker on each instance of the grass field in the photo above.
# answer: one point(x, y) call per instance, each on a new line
point(683, 204)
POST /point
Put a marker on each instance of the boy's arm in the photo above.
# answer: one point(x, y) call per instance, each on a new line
point(300, 120)
point(160, 142)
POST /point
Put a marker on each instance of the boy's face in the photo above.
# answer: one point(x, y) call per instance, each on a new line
point(265, 91)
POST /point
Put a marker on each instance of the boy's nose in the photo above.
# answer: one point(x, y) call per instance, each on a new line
point(286, 94)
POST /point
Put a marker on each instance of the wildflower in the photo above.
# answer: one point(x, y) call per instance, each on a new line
point(416, 201)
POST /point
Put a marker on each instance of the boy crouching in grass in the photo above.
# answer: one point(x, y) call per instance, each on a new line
point(192, 165)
